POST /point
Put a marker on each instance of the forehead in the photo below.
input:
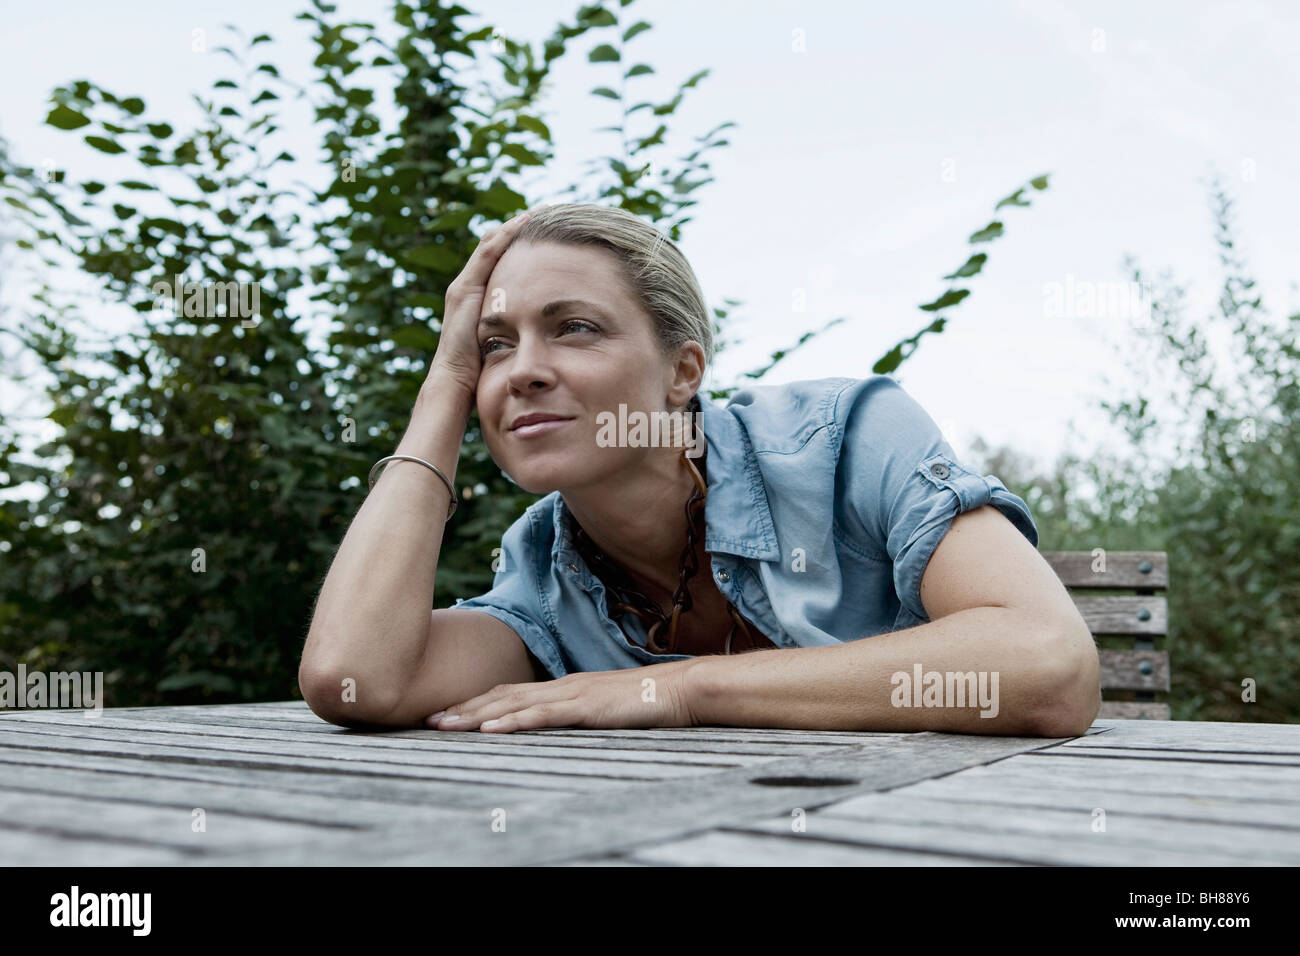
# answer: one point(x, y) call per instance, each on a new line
point(535, 273)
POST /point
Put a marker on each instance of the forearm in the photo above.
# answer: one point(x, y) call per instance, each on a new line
point(869, 684)
point(371, 620)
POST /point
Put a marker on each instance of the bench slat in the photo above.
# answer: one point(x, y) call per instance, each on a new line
point(1123, 569)
point(1107, 614)
point(1143, 615)
point(1123, 670)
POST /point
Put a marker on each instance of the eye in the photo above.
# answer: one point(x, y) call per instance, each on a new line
point(583, 325)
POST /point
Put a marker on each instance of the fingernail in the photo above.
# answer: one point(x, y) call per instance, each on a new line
point(437, 715)
point(488, 724)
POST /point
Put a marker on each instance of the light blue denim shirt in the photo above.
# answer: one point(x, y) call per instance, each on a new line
point(826, 500)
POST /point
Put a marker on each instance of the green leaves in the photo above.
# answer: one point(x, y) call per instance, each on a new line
point(207, 681)
point(903, 350)
point(500, 200)
point(534, 125)
point(989, 232)
point(64, 118)
point(418, 337)
point(970, 267)
point(232, 437)
point(104, 145)
point(63, 415)
point(436, 257)
point(951, 297)
point(522, 154)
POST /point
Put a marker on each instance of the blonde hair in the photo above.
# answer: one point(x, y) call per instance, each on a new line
point(652, 266)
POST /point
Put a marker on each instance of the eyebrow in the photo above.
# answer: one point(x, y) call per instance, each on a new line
point(495, 320)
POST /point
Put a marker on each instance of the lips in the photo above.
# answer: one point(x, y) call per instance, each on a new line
point(536, 418)
point(541, 427)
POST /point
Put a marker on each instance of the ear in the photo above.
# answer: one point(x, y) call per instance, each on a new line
point(688, 372)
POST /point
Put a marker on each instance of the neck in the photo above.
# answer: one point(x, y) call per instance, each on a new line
point(641, 524)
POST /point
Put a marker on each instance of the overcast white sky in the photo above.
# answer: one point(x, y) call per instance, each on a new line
point(872, 139)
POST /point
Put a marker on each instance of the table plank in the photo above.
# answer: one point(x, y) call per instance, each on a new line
point(606, 755)
point(1195, 735)
point(1036, 840)
point(57, 848)
point(155, 825)
point(215, 797)
point(1071, 830)
point(1037, 808)
point(531, 770)
point(609, 822)
point(759, 848)
point(401, 792)
point(1161, 755)
point(281, 786)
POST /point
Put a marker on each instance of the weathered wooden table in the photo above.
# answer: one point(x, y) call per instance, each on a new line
point(273, 784)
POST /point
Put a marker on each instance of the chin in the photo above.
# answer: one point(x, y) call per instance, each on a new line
point(538, 479)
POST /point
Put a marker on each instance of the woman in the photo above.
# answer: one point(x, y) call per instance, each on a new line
point(719, 568)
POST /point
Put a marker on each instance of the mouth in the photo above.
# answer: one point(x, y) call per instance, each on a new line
point(540, 428)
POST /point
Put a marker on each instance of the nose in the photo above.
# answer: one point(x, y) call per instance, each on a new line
point(530, 365)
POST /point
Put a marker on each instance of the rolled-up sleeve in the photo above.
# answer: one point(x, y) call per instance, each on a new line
point(902, 484)
point(516, 597)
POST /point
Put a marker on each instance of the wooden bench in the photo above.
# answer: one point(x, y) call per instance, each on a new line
point(1130, 679)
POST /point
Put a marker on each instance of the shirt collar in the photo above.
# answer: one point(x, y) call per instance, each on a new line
point(737, 518)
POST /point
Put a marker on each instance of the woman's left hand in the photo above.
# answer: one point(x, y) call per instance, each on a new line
point(655, 695)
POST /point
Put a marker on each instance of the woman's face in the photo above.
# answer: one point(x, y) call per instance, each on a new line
point(565, 337)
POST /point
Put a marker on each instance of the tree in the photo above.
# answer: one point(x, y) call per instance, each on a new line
point(207, 461)
point(1222, 503)
point(211, 464)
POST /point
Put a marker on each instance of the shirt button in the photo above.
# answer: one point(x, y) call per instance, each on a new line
point(939, 470)
point(723, 575)
point(573, 568)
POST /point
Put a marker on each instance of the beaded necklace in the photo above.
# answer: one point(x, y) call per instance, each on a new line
point(630, 600)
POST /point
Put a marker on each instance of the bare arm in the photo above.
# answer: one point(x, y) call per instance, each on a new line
point(1001, 619)
point(998, 612)
point(373, 637)
point(856, 688)
point(372, 618)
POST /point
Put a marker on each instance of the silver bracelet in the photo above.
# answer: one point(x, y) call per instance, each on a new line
point(451, 507)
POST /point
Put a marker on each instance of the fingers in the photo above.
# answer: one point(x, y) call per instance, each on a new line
point(493, 245)
point(556, 714)
point(514, 224)
point(496, 703)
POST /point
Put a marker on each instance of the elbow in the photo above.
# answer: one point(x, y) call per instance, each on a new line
point(333, 696)
point(1071, 695)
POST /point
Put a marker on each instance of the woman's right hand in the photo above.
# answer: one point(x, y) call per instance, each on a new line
point(457, 359)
